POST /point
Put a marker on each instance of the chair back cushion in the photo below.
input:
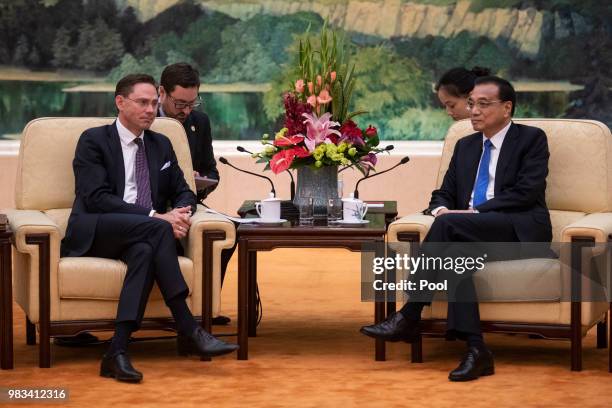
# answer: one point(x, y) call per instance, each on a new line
point(580, 165)
point(45, 179)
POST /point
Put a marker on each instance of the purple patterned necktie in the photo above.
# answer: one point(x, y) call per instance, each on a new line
point(143, 188)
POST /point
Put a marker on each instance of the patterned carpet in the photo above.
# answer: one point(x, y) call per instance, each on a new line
point(309, 353)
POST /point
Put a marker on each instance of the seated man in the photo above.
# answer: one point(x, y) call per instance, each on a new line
point(178, 96)
point(125, 177)
point(493, 191)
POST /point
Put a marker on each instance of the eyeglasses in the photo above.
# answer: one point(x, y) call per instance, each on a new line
point(481, 105)
point(144, 103)
point(183, 105)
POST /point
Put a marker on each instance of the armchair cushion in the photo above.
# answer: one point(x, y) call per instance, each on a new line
point(76, 274)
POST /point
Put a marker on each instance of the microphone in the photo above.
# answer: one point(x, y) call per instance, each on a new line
point(243, 150)
point(224, 161)
point(387, 148)
point(403, 161)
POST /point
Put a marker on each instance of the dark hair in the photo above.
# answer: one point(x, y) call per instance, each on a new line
point(181, 74)
point(505, 89)
point(125, 86)
point(459, 81)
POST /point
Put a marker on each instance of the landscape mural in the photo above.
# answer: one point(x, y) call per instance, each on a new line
point(62, 57)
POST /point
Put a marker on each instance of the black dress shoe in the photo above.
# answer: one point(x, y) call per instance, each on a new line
point(395, 328)
point(221, 320)
point(203, 344)
point(120, 368)
point(80, 340)
point(476, 363)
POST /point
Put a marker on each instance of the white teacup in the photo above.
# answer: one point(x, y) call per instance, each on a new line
point(269, 209)
point(353, 210)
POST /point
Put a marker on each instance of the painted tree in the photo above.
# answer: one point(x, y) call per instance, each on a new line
point(63, 50)
point(99, 47)
point(21, 51)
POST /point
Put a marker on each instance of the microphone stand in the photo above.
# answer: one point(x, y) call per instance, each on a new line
point(387, 148)
point(403, 161)
point(292, 185)
point(225, 161)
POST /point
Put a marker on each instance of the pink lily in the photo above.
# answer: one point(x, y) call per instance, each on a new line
point(318, 129)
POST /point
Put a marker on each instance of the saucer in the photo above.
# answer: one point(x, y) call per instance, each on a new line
point(350, 223)
point(270, 221)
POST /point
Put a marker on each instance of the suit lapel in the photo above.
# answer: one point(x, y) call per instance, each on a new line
point(117, 153)
point(505, 155)
point(153, 163)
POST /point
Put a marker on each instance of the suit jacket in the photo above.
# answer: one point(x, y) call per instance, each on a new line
point(520, 181)
point(100, 183)
point(197, 127)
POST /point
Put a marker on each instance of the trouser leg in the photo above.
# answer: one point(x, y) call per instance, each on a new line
point(451, 229)
point(147, 246)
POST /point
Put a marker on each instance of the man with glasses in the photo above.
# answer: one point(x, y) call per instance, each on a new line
point(178, 96)
point(125, 176)
point(493, 191)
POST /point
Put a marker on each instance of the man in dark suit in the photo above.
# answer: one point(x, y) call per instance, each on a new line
point(126, 177)
point(493, 191)
point(178, 96)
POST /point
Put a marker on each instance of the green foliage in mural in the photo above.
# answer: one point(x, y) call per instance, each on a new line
point(99, 47)
point(253, 50)
point(437, 54)
point(387, 85)
point(420, 124)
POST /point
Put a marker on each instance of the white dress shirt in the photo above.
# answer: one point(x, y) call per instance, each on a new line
point(129, 149)
point(496, 140)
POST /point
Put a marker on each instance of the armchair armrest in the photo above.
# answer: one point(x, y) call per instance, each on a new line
point(35, 274)
point(27, 222)
point(597, 226)
point(414, 223)
point(205, 221)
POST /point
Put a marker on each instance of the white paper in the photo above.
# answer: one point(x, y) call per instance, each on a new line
point(235, 219)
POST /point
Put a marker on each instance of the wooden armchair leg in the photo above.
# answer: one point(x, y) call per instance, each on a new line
point(45, 348)
point(30, 332)
point(208, 239)
point(6, 295)
point(416, 351)
point(44, 296)
point(602, 333)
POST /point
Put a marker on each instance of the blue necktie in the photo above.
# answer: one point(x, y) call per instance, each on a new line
point(482, 180)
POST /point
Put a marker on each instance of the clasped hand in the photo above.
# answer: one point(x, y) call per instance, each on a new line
point(180, 219)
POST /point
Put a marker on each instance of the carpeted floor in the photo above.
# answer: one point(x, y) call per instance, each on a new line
point(309, 353)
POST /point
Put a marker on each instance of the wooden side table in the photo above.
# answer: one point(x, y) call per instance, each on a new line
point(253, 238)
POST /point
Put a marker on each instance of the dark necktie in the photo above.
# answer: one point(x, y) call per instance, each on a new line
point(143, 188)
point(482, 180)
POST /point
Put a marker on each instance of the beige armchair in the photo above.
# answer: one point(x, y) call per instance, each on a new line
point(64, 296)
point(532, 300)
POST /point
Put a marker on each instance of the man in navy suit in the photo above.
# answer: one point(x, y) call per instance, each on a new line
point(493, 191)
point(178, 96)
point(126, 177)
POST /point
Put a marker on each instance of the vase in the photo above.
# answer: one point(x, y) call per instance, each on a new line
point(321, 184)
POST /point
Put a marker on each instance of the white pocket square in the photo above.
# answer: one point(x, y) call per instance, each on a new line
point(165, 166)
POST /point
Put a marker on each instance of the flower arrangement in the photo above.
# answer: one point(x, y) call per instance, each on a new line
point(318, 129)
